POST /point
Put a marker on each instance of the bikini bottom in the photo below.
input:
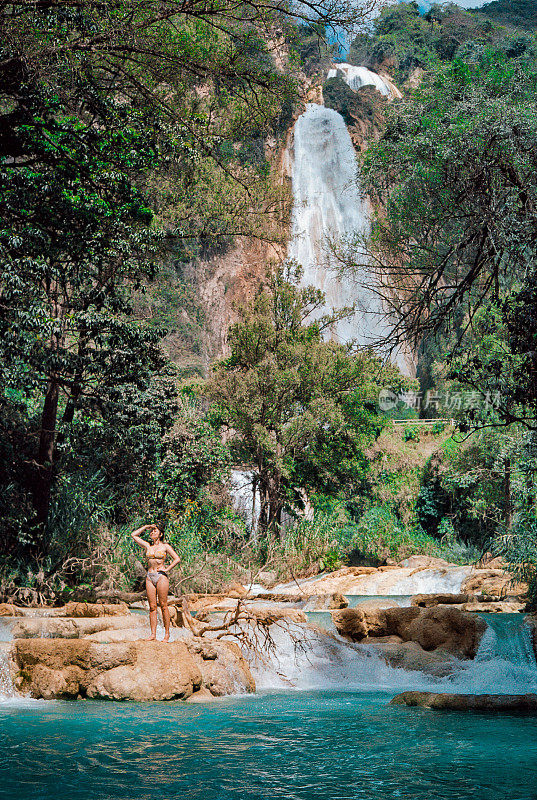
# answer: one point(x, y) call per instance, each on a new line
point(154, 577)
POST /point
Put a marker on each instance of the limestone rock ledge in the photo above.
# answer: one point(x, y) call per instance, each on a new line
point(445, 627)
point(139, 671)
point(429, 640)
point(508, 703)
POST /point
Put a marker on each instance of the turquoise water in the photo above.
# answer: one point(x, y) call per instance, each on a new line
point(355, 600)
point(289, 746)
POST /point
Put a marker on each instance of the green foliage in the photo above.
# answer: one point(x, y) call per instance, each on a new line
point(104, 130)
point(411, 433)
point(302, 409)
point(339, 96)
point(518, 13)
point(454, 174)
point(313, 53)
point(518, 545)
point(406, 39)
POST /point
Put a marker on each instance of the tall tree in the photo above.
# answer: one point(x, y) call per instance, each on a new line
point(454, 241)
point(300, 408)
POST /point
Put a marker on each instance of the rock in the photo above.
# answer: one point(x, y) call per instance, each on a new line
point(267, 578)
point(491, 561)
point(326, 602)
point(93, 610)
point(140, 671)
point(280, 598)
point(425, 562)
point(508, 703)
point(502, 607)
point(441, 626)
point(203, 695)
point(223, 668)
point(10, 610)
point(429, 600)
point(236, 590)
point(493, 582)
point(59, 628)
point(410, 656)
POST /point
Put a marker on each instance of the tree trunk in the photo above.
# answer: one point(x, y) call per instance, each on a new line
point(45, 458)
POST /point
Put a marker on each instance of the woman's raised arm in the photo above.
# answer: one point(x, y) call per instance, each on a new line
point(138, 539)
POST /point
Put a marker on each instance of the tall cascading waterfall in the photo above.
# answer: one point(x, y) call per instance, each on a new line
point(328, 209)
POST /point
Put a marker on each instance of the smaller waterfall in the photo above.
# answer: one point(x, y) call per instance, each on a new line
point(356, 77)
point(245, 502)
point(309, 658)
point(505, 661)
point(6, 685)
point(507, 638)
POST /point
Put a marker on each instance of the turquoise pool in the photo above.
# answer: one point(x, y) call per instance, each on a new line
point(294, 746)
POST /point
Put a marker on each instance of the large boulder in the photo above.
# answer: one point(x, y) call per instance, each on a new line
point(223, 668)
point(509, 703)
point(140, 671)
point(493, 582)
point(446, 627)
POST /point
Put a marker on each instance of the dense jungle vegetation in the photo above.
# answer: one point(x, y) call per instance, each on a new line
point(132, 142)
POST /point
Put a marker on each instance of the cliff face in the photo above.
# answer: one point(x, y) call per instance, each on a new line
point(225, 281)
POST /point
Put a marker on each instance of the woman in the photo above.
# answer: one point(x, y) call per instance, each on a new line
point(156, 582)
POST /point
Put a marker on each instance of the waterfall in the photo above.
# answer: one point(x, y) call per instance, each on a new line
point(403, 582)
point(6, 685)
point(356, 77)
point(308, 658)
point(317, 658)
point(328, 208)
point(245, 502)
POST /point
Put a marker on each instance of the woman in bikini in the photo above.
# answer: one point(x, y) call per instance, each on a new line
point(156, 582)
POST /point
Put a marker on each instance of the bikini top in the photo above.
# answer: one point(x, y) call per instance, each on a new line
point(160, 554)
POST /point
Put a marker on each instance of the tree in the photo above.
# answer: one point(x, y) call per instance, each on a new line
point(301, 408)
point(110, 114)
point(74, 238)
point(455, 235)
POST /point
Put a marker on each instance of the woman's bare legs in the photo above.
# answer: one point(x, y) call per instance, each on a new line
point(152, 597)
point(163, 585)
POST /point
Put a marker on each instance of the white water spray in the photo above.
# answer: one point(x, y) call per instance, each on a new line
point(356, 77)
point(6, 685)
point(309, 658)
point(328, 209)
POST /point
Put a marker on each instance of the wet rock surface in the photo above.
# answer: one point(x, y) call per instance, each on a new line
point(139, 671)
point(454, 631)
point(506, 703)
